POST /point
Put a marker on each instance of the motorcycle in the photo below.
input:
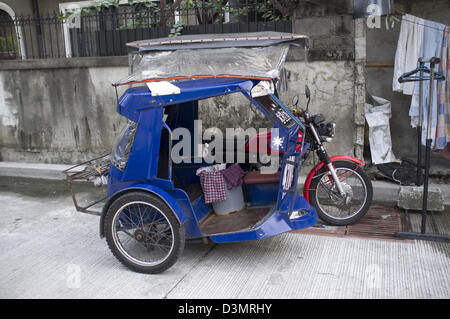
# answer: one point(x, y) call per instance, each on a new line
point(337, 186)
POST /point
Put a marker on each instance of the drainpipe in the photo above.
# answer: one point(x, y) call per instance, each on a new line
point(38, 28)
point(359, 97)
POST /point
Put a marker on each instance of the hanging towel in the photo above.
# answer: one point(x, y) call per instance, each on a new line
point(213, 186)
point(408, 51)
point(212, 182)
point(443, 95)
point(431, 47)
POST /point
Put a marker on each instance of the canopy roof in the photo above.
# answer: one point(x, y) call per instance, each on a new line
point(221, 40)
point(258, 55)
point(137, 98)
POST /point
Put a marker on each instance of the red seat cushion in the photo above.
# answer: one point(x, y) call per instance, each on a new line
point(256, 177)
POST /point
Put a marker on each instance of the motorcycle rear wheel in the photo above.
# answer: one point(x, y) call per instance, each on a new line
point(331, 206)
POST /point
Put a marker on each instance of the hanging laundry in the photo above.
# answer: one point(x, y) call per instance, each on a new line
point(443, 95)
point(213, 186)
point(213, 183)
point(431, 46)
point(212, 168)
point(233, 176)
point(409, 48)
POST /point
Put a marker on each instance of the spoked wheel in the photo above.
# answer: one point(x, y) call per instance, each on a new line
point(143, 233)
point(334, 208)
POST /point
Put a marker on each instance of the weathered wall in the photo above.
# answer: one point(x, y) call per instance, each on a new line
point(331, 85)
point(381, 47)
point(57, 113)
point(62, 111)
point(328, 69)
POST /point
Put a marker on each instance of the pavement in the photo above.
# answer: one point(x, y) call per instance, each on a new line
point(48, 250)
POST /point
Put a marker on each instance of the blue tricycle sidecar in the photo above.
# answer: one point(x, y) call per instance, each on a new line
point(154, 203)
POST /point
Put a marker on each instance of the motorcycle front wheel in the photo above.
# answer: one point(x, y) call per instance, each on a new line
point(331, 206)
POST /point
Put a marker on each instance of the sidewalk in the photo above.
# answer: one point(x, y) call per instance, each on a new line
point(384, 192)
point(51, 251)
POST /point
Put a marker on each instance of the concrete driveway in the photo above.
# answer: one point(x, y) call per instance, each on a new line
point(47, 250)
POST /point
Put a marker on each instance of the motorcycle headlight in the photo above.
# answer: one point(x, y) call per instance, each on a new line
point(333, 128)
point(327, 130)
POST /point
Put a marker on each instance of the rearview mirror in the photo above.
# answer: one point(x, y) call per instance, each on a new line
point(307, 92)
point(295, 101)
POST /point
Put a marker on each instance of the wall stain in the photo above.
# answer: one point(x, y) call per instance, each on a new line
point(88, 136)
point(76, 135)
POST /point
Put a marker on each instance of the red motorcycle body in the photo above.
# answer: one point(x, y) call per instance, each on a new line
point(252, 146)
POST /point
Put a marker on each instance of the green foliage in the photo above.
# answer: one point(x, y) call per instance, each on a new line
point(207, 12)
point(8, 44)
point(176, 29)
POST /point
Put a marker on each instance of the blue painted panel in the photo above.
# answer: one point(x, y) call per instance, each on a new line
point(143, 160)
point(279, 222)
point(191, 227)
point(201, 210)
point(263, 194)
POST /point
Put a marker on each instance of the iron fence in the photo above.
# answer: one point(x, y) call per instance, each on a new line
point(105, 32)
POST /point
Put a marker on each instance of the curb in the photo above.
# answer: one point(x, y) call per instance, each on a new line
point(383, 192)
point(33, 170)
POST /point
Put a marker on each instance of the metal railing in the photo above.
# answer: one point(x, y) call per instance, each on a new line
point(106, 32)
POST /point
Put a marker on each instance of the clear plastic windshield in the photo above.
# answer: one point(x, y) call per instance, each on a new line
point(257, 62)
point(122, 148)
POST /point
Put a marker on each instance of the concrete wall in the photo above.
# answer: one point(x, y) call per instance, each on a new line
point(328, 69)
point(57, 112)
point(62, 111)
point(332, 93)
point(331, 85)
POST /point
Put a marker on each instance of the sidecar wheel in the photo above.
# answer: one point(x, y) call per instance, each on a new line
point(143, 233)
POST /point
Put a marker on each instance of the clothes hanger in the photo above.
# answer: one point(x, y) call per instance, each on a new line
point(409, 77)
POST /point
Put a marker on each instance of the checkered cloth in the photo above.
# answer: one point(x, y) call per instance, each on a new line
point(213, 185)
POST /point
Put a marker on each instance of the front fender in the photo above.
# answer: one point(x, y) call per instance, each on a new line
point(160, 193)
point(322, 164)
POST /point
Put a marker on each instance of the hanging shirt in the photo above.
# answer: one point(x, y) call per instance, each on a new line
point(443, 95)
point(431, 47)
point(409, 48)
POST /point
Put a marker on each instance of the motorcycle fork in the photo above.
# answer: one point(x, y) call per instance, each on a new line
point(323, 156)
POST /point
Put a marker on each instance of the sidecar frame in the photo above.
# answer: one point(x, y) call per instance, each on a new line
point(141, 160)
point(140, 172)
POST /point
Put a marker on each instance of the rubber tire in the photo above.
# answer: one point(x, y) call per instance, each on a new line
point(178, 231)
point(342, 222)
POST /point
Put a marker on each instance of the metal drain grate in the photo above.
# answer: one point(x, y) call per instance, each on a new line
point(378, 223)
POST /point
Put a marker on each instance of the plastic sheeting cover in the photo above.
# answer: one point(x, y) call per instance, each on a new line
point(247, 62)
